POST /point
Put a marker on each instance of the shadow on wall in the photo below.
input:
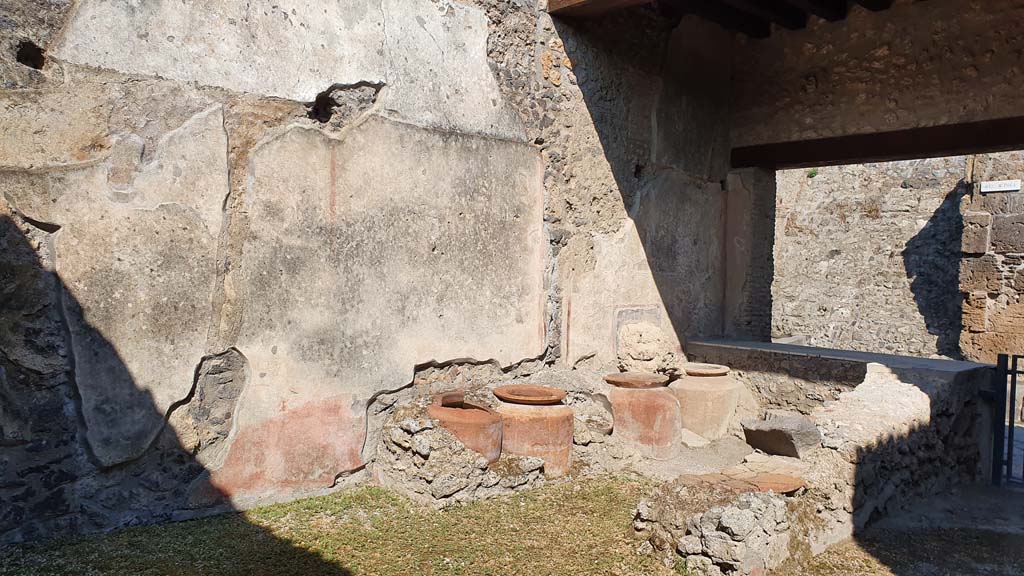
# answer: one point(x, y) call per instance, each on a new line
point(661, 125)
point(50, 481)
point(667, 153)
point(908, 486)
point(932, 261)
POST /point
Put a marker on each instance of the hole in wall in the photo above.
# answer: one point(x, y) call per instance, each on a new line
point(31, 55)
point(322, 107)
point(342, 103)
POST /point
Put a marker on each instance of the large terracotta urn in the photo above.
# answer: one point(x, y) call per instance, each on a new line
point(536, 423)
point(476, 426)
point(645, 413)
point(708, 396)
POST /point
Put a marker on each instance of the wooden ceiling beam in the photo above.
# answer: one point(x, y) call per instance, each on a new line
point(997, 135)
point(782, 13)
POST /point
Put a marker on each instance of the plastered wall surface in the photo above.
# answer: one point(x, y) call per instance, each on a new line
point(229, 227)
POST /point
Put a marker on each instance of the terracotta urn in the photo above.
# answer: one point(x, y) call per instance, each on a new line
point(645, 413)
point(636, 380)
point(476, 426)
point(536, 423)
point(708, 396)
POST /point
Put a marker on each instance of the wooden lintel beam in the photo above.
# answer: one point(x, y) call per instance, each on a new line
point(997, 135)
point(777, 11)
point(586, 8)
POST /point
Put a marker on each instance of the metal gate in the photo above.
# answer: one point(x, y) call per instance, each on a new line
point(1007, 443)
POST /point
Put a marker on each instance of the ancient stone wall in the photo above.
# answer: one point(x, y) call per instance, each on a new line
point(910, 429)
point(992, 270)
point(916, 64)
point(866, 256)
point(231, 228)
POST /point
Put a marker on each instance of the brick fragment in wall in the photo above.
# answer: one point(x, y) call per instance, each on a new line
point(986, 346)
point(975, 238)
point(1008, 233)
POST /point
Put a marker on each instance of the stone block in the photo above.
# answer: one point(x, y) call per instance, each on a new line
point(975, 308)
point(1007, 320)
point(1008, 233)
point(980, 275)
point(783, 433)
point(999, 203)
point(975, 239)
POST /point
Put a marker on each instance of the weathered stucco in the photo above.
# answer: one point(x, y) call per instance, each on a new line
point(239, 225)
point(635, 192)
point(224, 263)
point(134, 253)
point(338, 279)
point(299, 48)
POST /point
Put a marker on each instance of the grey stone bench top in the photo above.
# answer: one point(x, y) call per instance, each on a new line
point(890, 360)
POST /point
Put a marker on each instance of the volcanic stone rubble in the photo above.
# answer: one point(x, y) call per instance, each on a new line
point(422, 459)
point(784, 433)
point(715, 531)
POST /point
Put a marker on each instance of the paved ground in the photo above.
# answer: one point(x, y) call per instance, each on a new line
point(996, 510)
point(1018, 451)
point(979, 532)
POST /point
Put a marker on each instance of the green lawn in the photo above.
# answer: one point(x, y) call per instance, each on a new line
point(572, 527)
point(567, 528)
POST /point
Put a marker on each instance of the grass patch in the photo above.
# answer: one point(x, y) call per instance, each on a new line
point(572, 527)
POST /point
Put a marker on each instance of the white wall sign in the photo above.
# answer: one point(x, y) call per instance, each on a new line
point(1000, 186)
